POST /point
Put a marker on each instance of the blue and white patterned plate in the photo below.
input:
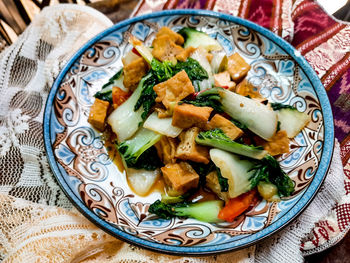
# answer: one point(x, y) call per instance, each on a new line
point(92, 180)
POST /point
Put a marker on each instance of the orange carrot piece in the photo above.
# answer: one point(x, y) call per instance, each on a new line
point(236, 206)
point(119, 96)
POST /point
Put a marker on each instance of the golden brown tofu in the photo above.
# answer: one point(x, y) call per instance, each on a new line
point(133, 72)
point(237, 67)
point(188, 115)
point(185, 53)
point(212, 182)
point(189, 150)
point(98, 113)
point(166, 149)
point(165, 49)
point(173, 90)
point(279, 144)
point(245, 88)
point(223, 79)
point(231, 130)
point(177, 38)
point(180, 177)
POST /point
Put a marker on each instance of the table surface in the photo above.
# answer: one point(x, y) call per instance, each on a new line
point(118, 10)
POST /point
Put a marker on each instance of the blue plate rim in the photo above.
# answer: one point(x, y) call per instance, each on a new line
point(303, 202)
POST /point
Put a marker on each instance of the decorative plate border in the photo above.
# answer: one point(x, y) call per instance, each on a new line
point(304, 200)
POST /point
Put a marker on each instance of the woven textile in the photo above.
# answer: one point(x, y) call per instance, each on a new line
point(39, 224)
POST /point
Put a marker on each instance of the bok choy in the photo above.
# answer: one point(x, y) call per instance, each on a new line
point(258, 117)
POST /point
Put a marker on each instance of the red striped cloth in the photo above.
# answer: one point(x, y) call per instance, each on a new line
point(325, 43)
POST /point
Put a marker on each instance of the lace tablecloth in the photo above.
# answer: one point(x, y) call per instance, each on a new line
point(39, 224)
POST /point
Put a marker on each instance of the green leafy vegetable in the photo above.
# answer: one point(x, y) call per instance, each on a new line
point(218, 139)
point(278, 126)
point(268, 170)
point(204, 211)
point(148, 160)
point(134, 151)
point(239, 124)
point(259, 118)
point(207, 98)
point(148, 95)
point(193, 69)
point(202, 170)
point(223, 182)
point(162, 70)
point(167, 199)
point(106, 91)
point(165, 70)
point(277, 106)
point(197, 38)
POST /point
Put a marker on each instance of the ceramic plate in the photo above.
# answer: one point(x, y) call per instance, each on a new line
point(88, 174)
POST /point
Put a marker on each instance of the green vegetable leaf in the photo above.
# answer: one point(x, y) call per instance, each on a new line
point(207, 98)
point(239, 124)
point(268, 170)
point(206, 211)
point(162, 210)
point(202, 170)
point(193, 69)
point(218, 139)
point(148, 95)
point(172, 199)
point(138, 152)
point(278, 126)
point(278, 106)
point(163, 71)
point(223, 182)
point(148, 160)
point(106, 91)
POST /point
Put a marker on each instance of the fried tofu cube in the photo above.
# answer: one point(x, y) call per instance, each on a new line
point(177, 38)
point(166, 149)
point(98, 113)
point(183, 56)
point(165, 49)
point(133, 73)
point(231, 130)
point(188, 115)
point(173, 90)
point(245, 88)
point(237, 67)
point(181, 177)
point(223, 79)
point(278, 144)
point(212, 182)
point(189, 150)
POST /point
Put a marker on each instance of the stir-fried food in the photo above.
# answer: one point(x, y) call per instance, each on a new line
point(184, 111)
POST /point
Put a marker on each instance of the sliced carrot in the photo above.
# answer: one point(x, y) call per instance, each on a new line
point(236, 206)
point(119, 96)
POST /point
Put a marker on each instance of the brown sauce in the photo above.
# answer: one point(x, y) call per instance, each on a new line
point(158, 186)
point(113, 153)
point(203, 195)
